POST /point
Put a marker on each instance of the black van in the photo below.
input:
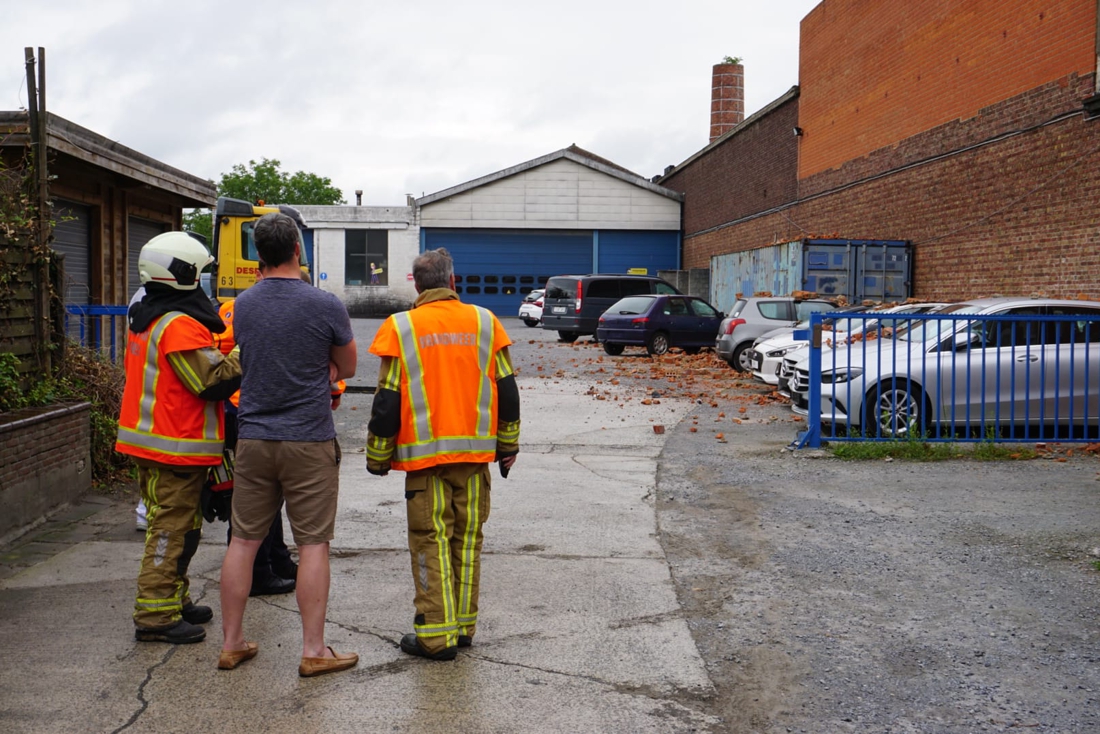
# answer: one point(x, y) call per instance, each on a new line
point(573, 304)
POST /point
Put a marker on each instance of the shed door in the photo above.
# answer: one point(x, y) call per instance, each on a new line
point(140, 231)
point(496, 269)
point(73, 237)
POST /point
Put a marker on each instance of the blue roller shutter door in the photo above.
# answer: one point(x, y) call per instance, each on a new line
point(620, 251)
point(496, 269)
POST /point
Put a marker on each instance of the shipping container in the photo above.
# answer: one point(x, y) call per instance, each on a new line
point(877, 270)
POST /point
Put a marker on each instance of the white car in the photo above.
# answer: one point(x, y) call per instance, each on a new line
point(531, 308)
point(768, 354)
point(944, 375)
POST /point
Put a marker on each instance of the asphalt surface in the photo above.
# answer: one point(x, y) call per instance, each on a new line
point(655, 562)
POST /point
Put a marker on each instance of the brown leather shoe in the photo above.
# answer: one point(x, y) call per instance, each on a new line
point(229, 659)
point(319, 666)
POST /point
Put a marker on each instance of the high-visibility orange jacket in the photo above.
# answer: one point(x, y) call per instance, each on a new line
point(447, 354)
point(225, 341)
point(162, 418)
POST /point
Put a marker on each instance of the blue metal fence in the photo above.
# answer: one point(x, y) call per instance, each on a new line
point(97, 327)
point(950, 377)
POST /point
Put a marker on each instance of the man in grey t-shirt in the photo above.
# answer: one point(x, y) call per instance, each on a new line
point(298, 340)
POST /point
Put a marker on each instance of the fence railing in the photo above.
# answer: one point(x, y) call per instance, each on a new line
point(949, 377)
point(102, 328)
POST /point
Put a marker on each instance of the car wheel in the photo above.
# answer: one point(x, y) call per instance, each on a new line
point(567, 336)
point(531, 322)
point(895, 409)
point(657, 343)
point(613, 349)
point(740, 359)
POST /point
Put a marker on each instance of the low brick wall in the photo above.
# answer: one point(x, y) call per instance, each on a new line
point(45, 461)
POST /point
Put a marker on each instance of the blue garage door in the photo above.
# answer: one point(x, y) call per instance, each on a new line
point(495, 269)
point(622, 251)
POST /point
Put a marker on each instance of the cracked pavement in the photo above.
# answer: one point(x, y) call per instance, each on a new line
point(580, 628)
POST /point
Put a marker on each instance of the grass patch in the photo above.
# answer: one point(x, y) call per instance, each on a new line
point(917, 449)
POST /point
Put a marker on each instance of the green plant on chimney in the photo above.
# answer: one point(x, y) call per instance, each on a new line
point(731, 60)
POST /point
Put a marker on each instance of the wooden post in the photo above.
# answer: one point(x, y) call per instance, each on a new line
point(36, 113)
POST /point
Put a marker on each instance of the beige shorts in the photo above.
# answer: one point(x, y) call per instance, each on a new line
point(304, 473)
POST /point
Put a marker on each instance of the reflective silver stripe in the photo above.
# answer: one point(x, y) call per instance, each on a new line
point(485, 384)
point(470, 445)
point(173, 446)
point(410, 358)
point(210, 424)
point(150, 372)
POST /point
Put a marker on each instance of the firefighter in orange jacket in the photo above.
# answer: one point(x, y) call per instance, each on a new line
point(446, 406)
point(171, 423)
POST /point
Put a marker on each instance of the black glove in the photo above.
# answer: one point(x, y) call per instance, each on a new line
point(216, 505)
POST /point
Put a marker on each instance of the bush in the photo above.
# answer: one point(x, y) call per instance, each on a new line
point(85, 375)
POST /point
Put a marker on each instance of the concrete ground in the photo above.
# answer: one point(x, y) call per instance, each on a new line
point(579, 627)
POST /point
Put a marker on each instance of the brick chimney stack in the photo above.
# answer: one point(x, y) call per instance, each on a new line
point(727, 99)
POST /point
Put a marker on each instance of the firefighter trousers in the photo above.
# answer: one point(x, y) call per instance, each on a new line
point(446, 506)
point(172, 496)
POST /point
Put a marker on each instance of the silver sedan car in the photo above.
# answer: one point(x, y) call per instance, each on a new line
point(977, 374)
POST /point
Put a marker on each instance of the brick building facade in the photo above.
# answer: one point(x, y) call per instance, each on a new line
point(993, 169)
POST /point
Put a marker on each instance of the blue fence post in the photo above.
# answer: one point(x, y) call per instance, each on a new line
point(813, 420)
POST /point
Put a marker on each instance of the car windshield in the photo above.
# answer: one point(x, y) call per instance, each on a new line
point(923, 331)
point(738, 308)
point(631, 306)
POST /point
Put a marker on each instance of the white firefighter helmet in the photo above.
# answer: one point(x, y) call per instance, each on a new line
point(174, 259)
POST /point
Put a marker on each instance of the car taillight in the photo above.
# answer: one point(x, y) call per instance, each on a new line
point(640, 320)
point(539, 303)
point(579, 294)
point(733, 324)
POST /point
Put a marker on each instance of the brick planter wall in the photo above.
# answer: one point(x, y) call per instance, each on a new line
point(45, 461)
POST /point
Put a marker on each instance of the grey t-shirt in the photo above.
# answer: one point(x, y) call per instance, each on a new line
point(285, 328)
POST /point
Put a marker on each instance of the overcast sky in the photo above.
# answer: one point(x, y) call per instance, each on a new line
point(397, 97)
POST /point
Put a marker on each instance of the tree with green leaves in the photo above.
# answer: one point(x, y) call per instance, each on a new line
point(265, 181)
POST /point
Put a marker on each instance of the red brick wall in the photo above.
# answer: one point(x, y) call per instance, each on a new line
point(1013, 217)
point(45, 460)
point(875, 72)
point(751, 171)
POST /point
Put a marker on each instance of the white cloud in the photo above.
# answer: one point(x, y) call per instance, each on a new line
point(397, 98)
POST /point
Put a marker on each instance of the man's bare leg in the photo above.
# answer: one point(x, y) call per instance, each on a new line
point(235, 584)
point(312, 595)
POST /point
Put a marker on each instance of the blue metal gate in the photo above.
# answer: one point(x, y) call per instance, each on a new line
point(953, 377)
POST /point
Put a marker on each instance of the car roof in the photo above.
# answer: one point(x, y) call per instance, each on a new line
point(995, 301)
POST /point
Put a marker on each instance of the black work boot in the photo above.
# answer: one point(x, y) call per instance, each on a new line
point(411, 646)
point(180, 633)
point(195, 614)
point(269, 584)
